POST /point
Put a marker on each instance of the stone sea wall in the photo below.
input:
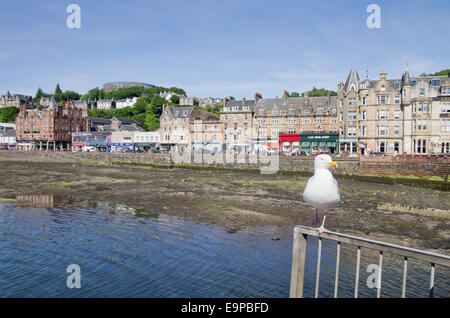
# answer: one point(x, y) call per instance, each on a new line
point(400, 165)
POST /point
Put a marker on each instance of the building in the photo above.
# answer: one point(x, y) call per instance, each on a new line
point(146, 140)
point(100, 141)
point(49, 128)
point(112, 86)
point(85, 104)
point(187, 101)
point(106, 104)
point(48, 101)
point(175, 127)
point(15, 100)
point(7, 136)
point(126, 102)
point(168, 95)
point(122, 141)
point(307, 116)
point(203, 102)
point(206, 133)
point(236, 116)
point(114, 124)
point(393, 116)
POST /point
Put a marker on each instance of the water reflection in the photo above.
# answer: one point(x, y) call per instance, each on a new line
point(127, 252)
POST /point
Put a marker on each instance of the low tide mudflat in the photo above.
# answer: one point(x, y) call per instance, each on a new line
point(234, 199)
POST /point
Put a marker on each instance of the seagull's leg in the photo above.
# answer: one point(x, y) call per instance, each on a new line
point(315, 218)
point(322, 228)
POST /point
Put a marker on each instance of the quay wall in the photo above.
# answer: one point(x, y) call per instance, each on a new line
point(400, 165)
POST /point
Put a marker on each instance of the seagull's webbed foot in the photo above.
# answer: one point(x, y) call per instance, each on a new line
point(322, 229)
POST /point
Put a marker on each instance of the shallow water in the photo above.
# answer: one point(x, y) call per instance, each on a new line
point(127, 253)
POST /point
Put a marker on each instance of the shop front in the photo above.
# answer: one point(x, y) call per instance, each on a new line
point(320, 142)
point(289, 143)
point(348, 145)
point(91, 141)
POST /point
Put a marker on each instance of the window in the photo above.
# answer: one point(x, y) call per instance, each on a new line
point(396, 114)
point(341, 116)
point(396, 130)
point(363, 115)
point(351, 116)
point(245, 116)
point(422, 92)
point(382, 131)
point(381, 99)
point(363, 100)
point(274, 133)
point(352, 102)
point(382, 114)
point(274, 121)
point(397, 85)
point(274, 111)
point(445, 108)
point(420, 145)
point(381, 146)
point(260, 121)
point(351, 131)
point(445, 125)
point(334, 121)
point(363, 131)
point(397, 146)
point(435, 83)
point(341, 103)
point(397, 100)
point(305, 121)
point(261, 111)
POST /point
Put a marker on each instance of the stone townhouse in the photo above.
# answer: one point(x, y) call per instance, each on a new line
point(310, 118)
point(392, 116)
point(49, 128)
point(15, 100)
point(106, 104)
point(206, 133)
point(175, 127)
point(237, 119)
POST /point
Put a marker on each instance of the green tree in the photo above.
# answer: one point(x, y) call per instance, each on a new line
point(142, 104)
point(156, 105)
point(295, 94)
point(175, 99)
point(151, 121)
point(70, 95)
point(8, 114)
point(319, 92)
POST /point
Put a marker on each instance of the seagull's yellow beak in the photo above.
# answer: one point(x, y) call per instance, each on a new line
point(333, 164)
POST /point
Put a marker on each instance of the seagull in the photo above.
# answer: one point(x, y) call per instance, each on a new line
point(322, 190)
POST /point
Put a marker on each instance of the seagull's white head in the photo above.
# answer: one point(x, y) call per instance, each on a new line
point(324, 162)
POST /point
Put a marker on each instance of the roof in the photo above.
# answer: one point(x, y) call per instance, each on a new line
point(125, 121)
point(99, 121)
point(181, 112)
point(296, 103)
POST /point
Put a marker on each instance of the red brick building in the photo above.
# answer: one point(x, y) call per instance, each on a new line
point(49, 128)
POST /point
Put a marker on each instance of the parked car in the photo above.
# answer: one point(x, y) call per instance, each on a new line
point(88, 149)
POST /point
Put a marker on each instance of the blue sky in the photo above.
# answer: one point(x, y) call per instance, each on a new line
point(217, 48)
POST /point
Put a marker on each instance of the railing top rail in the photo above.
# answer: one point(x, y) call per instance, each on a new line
point(376, 245)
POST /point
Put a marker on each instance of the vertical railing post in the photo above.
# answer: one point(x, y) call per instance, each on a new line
point(431, 290)
point(298, 265)
point(319, 253)
point(336, 277)
point(358, 260)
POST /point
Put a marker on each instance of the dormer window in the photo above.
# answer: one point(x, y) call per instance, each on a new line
point(274, 111)
point(397, 85)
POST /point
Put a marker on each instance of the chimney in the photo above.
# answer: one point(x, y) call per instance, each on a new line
point(285, 96)
point(383, 75)
point(243, 101)
point(329, 98)
point(225, 100)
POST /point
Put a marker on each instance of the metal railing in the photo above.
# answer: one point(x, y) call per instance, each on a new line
point(301, 234)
